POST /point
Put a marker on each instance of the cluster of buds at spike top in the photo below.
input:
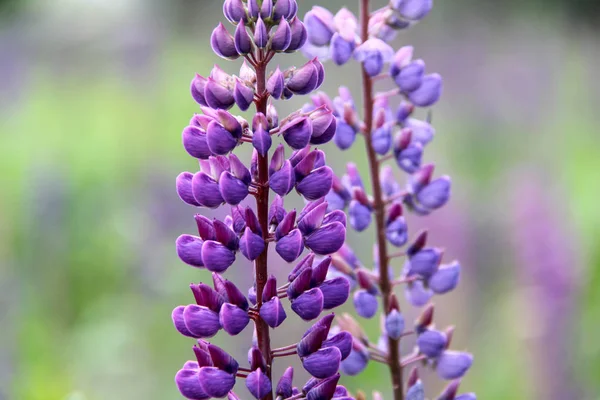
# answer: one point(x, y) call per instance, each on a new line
point(262, 28)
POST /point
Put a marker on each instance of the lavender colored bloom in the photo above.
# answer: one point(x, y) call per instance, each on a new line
point(258, 384)
point(445, 279)
point(394, 324)
point(374, 54)
point(365, 303)
point(453, 364)
point(320, 25)
point(431, 343)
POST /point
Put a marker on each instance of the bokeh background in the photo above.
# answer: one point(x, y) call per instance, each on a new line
point(94, 95)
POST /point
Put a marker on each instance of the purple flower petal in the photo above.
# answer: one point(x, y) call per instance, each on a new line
point(317, 184)
point(189, 250)
point(285, 385)
point(324, 363)
point(206, 190)
point(445, 279)
point(272, 312)
point(335, 292)
point(216, 257)
point(233, 319)
point(214, 382)
point(432, 343)
point(309, 304)
point(184, 188)
point(365, 303)
point(343, 341)
point(179, 322)
point(290, 247)
point(189, 386)
point(428, 93)
point(195, 142)
point(201, 321)
point(394, 324)
point(282, 182)
point(453, 364)
point(258, 384)
point(325, 389)
point(233, 190)
point(328, 239)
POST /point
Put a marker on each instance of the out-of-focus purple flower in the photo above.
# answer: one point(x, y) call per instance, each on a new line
point(374, 54)
point(413, 10)
point(453, 364)
point(428, 93)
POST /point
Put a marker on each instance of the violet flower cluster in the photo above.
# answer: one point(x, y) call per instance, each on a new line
point(262, 29)
point(398, 136)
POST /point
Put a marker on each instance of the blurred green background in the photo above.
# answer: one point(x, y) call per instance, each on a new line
point(94, 95)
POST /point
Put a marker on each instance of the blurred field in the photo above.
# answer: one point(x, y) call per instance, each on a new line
point(93, 97)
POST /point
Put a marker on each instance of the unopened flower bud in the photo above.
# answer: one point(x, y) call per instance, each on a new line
point(428, 92)
point(223, 44)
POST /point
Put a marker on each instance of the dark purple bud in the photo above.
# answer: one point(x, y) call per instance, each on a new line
point(324, 128)
point(261, 35)
point(445, 279)
point(343, 341)
point(222, 43)
point(417, 294)
point(418, 244)
point(401, 59)
point(324, 363)
point(431, 343)
point(216, 257)
point(261, 140)
point(276, 83)
point(252, 221)
point(184, 188)
point(309, 304)
point(360, 216)
point(207, 296)
point(326, 321)
point(222, 360)
point(284, 386)
point(453, 364)
point(335, 292)
point(218, 96)
point(317, 184)
point(344, 135)
point(428, 93)
point(282, 38)
point(189, 250)
point(450, 391)
point(282, 182)
point(311, 383)
point(309, 207)
point(357, 360)
point(326, 240)
point(404, 111)
point(225, 235)
point(333, 216)
point(325, 389)
point(189, 386)
point(436, 194)
point(215, 382)
point(232, 189)
point(179, 322)
point(286, 225)
point(201, 321)
point(297, 132)
point(341, 50)
point(266, 10)
point(394, 324)
point(299, 34)
point(411, 76)
point(277, 160)
point(243, 95)
point(382, 139)
point(238, 220)
point(305, 263)
point(251, 244)
point(301, 283)
point(365, 303)
point(425, 262)
point(290, 246)
point(319, 272)
point(320, 25)
point(195, 143)
point(272, 312)
point(306, 78)
point(220, 140)
point(313, 341)
point(256, 359)
point(234, 11)
point(270, 289)
point(257, 382)
point(233, 319)
point(413, 10)
point(235, 295)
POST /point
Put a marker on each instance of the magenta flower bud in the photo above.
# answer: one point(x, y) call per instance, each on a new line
point(323, 363)
point(261, 35)
point(425, 262)
point(272, 312)
point(413, 10)
point(445, 279)
point(184, 188)
point(394, 324)
point(343, 342)
point(309, 304)
point(282, 182)
point(400, 60)
point(453, 364)
point(257, 382)
point(357, 360)
point(179, 322)
point(234, 11)
point(304, 264)
point(197, 88)
point(215, 382)
point(282, 38)
point(428, 93)
point(299, 34)
point(317, 184)
point(341, 49)
point(290, 247)
point(276, 83)
point(320, 25)
point(216, 257)
point(297, 132)
point(242, 39)
point(233, 319)
point(436, 194)
point(373, 54)
point(307, 78)
point(325, 389)
point(200, 321)
point(312, 219)
point(188, 384)
point(365, 303)
point(417, 295)
point(195, 142)
point(344, 135)
point(206, 190)
point(223, 43)
point(285, 384)
point(411, 76)
point(218, 96)
point(251, 245)
point(335, 292)
point(189, 250)
point(431, 343)
point(327, 239)
point(360, 216)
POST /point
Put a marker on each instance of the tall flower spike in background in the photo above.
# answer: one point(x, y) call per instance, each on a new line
point(263, 28)
point(390, 135)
